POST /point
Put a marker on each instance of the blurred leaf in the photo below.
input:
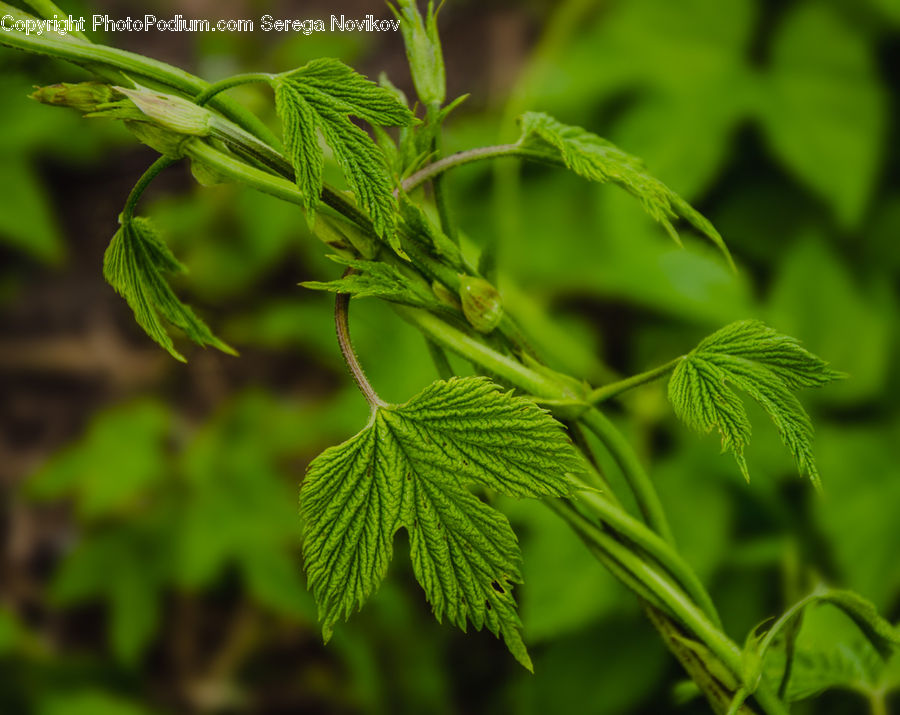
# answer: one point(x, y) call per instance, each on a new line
point(27, 218)
point(120, 457)
point(10, 632)
point(88, 702)
point(863, 478)
point(232, 472)
point(124, 566)
point(815, 298)
point(826, 112)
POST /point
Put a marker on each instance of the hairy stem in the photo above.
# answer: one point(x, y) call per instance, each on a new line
point(342, 327)
point(461, 158)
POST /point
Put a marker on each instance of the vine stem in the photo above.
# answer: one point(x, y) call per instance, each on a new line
point(638, 480)
point(601, 394)
point(437, 168)
point(154, 170)
point(229, 82)
point(342, 327)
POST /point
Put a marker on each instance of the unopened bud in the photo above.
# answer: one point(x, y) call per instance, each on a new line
point(171, 112)
point(83, 96)
point(481, 303)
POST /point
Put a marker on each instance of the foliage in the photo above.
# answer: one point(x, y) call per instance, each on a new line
point(765, 365)
point(409, 468)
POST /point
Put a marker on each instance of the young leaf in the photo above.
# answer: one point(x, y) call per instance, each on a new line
point(320, 96)
point(597, 159)
point(379, 280)
point(410, 467)
point(767, 366)
point(135, 264)
point(423, 49)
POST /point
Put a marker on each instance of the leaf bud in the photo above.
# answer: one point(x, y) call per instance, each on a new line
point(423, 50)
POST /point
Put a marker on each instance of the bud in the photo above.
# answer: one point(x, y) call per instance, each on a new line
point(423, 50)
point(481, 303)
point(170, 112)
point(83, 96)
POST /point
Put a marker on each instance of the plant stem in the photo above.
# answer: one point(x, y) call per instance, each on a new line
point(633, 471)
point(459, 159)
point(154, 170)
point(342, 327)
point(47, 9)
point(674, 600)
point(474, 350)
point(601, 394)
point(229, 82)
point(662, 551)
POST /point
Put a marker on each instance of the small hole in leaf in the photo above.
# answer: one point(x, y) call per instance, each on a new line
point(487, 605)
point(497, 587)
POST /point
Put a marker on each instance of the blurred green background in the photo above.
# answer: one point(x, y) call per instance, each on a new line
point(150, 559)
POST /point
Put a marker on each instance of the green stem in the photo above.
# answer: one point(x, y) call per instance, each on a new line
point(601, 394)
point(342, 327)
point(48, 10)
point(633, 471)
point(461, 158)
point(154, 170)
point(673, 599)
point(474, 350)
point(662, 551)
point(229, 82)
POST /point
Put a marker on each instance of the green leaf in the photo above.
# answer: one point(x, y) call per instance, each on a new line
point(769, 367)
point(597, 159)
point(135, 264)
point(423, 49)
point(374, 279)
point(320, 96)
point(410, 468)
point(826, 113)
